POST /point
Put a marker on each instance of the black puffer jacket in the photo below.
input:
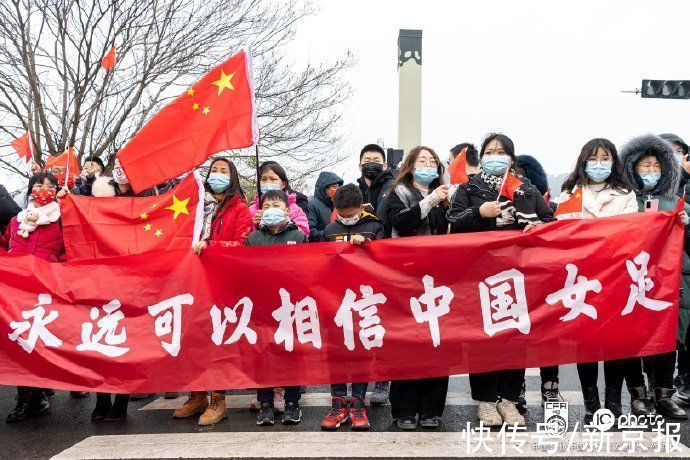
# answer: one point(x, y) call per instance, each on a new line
point(377, 193)
point(405, 212)
point(369, 226)
point(684, 187)
point(8, 208)
point(321, 205)
point(464, 215)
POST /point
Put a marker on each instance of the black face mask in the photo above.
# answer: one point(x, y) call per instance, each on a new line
point(371, 170)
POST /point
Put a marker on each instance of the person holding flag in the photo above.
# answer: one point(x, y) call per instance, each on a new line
point(462, 164)
point(494, 199)
point(597, 188)
point(650, 165)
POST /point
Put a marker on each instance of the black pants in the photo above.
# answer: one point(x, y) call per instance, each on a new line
point(615, 372)
point(423, 397)
point(660, 369)
point(490, 386)
point(549, 374)
point(683, 360)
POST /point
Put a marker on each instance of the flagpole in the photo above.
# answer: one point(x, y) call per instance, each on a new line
point(31, 150)
point(258, 176)
point(503, 183)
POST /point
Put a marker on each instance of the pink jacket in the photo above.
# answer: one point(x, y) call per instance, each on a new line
point(296, 213)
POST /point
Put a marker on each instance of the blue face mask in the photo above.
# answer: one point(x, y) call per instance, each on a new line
point(218, 182)
point(273, 217)
point(425, 176)
point(598, 171)
point(266, 187)
point(650, 179)
point(679, 160)
point(496, 165)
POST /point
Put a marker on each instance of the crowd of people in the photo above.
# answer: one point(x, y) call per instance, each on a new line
point(413, 199)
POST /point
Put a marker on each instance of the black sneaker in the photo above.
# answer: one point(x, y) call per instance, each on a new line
point(550, 394)
point(682, 384)
point(407, 423)
point(522, 402)
point(266, 414)
point(293, 414)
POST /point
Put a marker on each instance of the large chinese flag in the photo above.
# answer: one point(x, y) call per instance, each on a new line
point(510, 184)
point(458, 169)
point(106, 227)
point(215, 114)
point(22, 145)
point(571, 205)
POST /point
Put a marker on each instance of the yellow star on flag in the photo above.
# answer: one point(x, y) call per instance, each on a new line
point(224, 82)
point(159, 233)
point(179, 206)
point(153, 206)
point(206, 110)
point(190, 91)
point(195, 106)
point(147, 227)
point(144, 216)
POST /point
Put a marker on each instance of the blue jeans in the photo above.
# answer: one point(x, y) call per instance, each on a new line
point(265, 395)
point(359, 390)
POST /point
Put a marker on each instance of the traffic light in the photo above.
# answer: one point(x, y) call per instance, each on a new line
point(666, 89)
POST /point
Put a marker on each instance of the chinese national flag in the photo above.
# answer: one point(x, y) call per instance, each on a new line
point(107, 227)
point(571, 205)
point(510, 184)
point(23, 147)
point(108, 61)
point(458, 169)
point(215, 114)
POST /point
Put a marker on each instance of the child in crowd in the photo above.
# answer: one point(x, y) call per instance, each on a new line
point(353, 224)
point(276, 227)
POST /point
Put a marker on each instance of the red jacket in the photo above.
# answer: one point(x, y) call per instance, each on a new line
point(231, 225)
point(45, 242)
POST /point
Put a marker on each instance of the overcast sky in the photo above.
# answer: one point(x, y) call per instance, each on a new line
point(546, 73)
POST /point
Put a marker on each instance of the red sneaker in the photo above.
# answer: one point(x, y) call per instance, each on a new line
point(358, 416)
point(336, 416)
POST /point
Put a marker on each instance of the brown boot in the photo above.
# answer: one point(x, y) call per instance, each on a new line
point(216, 411)
point(195, 404)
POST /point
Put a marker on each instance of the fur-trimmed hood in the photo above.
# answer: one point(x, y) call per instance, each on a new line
point(534, 171)
point(646, 145)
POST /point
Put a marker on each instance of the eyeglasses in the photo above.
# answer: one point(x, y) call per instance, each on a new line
point(430, 163)
point(43, 187)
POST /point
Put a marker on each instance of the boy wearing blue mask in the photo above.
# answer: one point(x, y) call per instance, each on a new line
point(275, 228)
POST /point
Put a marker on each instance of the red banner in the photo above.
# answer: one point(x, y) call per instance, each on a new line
point(569, 291)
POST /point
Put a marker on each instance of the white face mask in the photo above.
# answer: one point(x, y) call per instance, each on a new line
point(349, 221)
point(119, 174)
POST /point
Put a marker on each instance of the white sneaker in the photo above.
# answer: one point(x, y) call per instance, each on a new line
point(487, 413)
point(508, 411)
point(278, 400)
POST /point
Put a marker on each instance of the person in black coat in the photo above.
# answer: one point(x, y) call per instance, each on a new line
point(476, 207)
point(376, 180)
point(8, 208)
point(92, 170)
point(417, 206)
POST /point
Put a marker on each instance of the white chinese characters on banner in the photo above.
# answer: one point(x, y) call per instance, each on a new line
point(36, 327)
point(500, 309)
point(303, 316)
point(229, 316)
point(437, 302)
point(574, 293)
point(170, 322)
point(371, 331)
point(107, 325)
point(641, 285)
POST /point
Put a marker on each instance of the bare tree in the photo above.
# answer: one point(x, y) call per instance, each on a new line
point(52, 83)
